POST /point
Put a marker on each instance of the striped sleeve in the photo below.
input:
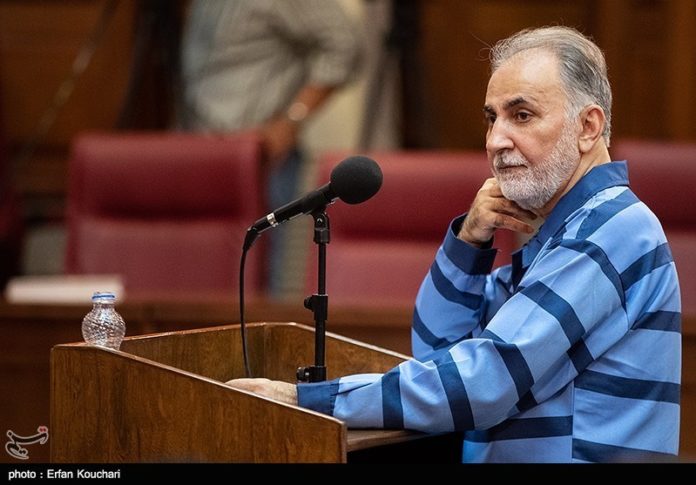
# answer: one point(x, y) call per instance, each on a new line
point(480, 381)
point(453, 298)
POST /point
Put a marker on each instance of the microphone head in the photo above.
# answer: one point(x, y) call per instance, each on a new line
point(356, 179)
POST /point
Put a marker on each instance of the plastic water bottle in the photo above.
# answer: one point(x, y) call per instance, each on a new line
point(103, 325)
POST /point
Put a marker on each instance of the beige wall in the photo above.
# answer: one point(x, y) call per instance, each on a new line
point(338, 125)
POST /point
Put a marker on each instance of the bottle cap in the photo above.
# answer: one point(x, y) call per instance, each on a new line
point(103, 295)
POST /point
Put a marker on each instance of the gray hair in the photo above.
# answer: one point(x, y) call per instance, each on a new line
point(583, 69)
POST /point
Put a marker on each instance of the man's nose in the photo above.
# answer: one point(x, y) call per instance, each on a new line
point(498, 137)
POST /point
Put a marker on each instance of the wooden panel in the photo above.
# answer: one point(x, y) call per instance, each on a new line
point(454, 83)
point(681, 69)
point(269, 353)
point(110, 407)
point(38, 42)
point(343, 356)
point(648, 45)
point(638, 74)
point(114, 406)
point(182, 350)
point(455, 38)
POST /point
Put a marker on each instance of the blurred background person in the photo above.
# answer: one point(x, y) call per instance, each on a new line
point(266, 65)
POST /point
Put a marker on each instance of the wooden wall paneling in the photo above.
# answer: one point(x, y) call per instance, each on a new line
point(455, 82)
point(649, 51)
point(643, 105)
point(455, 38)
point(648, 45)
point(681, 69)
point(38, 42)
point(612, 38)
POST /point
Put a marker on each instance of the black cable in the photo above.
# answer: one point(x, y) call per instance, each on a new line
point(245, 355)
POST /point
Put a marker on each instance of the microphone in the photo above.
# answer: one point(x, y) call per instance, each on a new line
point(354, 180)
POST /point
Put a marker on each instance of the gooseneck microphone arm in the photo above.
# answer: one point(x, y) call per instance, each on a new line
point(354, 180)
point(318, 198)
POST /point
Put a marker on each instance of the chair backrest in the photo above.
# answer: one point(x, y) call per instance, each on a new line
point(663, 175)
point(167, 211)
point(381, 250)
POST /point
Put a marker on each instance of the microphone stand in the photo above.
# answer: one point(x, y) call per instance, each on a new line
point(318, 303)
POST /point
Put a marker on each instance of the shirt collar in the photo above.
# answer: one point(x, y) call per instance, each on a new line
point(599, 178)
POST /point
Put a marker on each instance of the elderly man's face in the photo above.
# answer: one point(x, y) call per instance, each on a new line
point(531, 145)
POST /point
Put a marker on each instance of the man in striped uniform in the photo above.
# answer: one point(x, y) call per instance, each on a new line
point(573, 352)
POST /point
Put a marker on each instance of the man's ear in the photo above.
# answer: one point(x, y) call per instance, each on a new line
point(593, 120)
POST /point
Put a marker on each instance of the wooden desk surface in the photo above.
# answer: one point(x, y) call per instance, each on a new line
point(204, 309)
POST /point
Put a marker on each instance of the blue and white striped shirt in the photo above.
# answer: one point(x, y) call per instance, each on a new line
point(572, 353)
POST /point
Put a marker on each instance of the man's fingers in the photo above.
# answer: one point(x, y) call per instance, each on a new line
point(504, 221)
point(490, 211)
point(510, 208)
point(492, 189)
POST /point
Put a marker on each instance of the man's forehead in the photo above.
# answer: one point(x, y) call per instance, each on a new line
point(516, 101)
point(526, 78)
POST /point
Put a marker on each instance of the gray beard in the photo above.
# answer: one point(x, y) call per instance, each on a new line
point(533, 187)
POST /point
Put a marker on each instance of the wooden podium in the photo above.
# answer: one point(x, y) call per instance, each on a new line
point(162, 398)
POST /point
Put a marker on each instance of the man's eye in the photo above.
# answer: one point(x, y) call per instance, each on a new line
point(490, 119)
point(522, 116)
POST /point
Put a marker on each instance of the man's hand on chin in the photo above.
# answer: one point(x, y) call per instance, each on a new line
point(278, 390)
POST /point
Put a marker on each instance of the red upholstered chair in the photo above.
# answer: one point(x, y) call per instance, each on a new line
point(167, 211)
point(663, 175)
point(381, 250)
